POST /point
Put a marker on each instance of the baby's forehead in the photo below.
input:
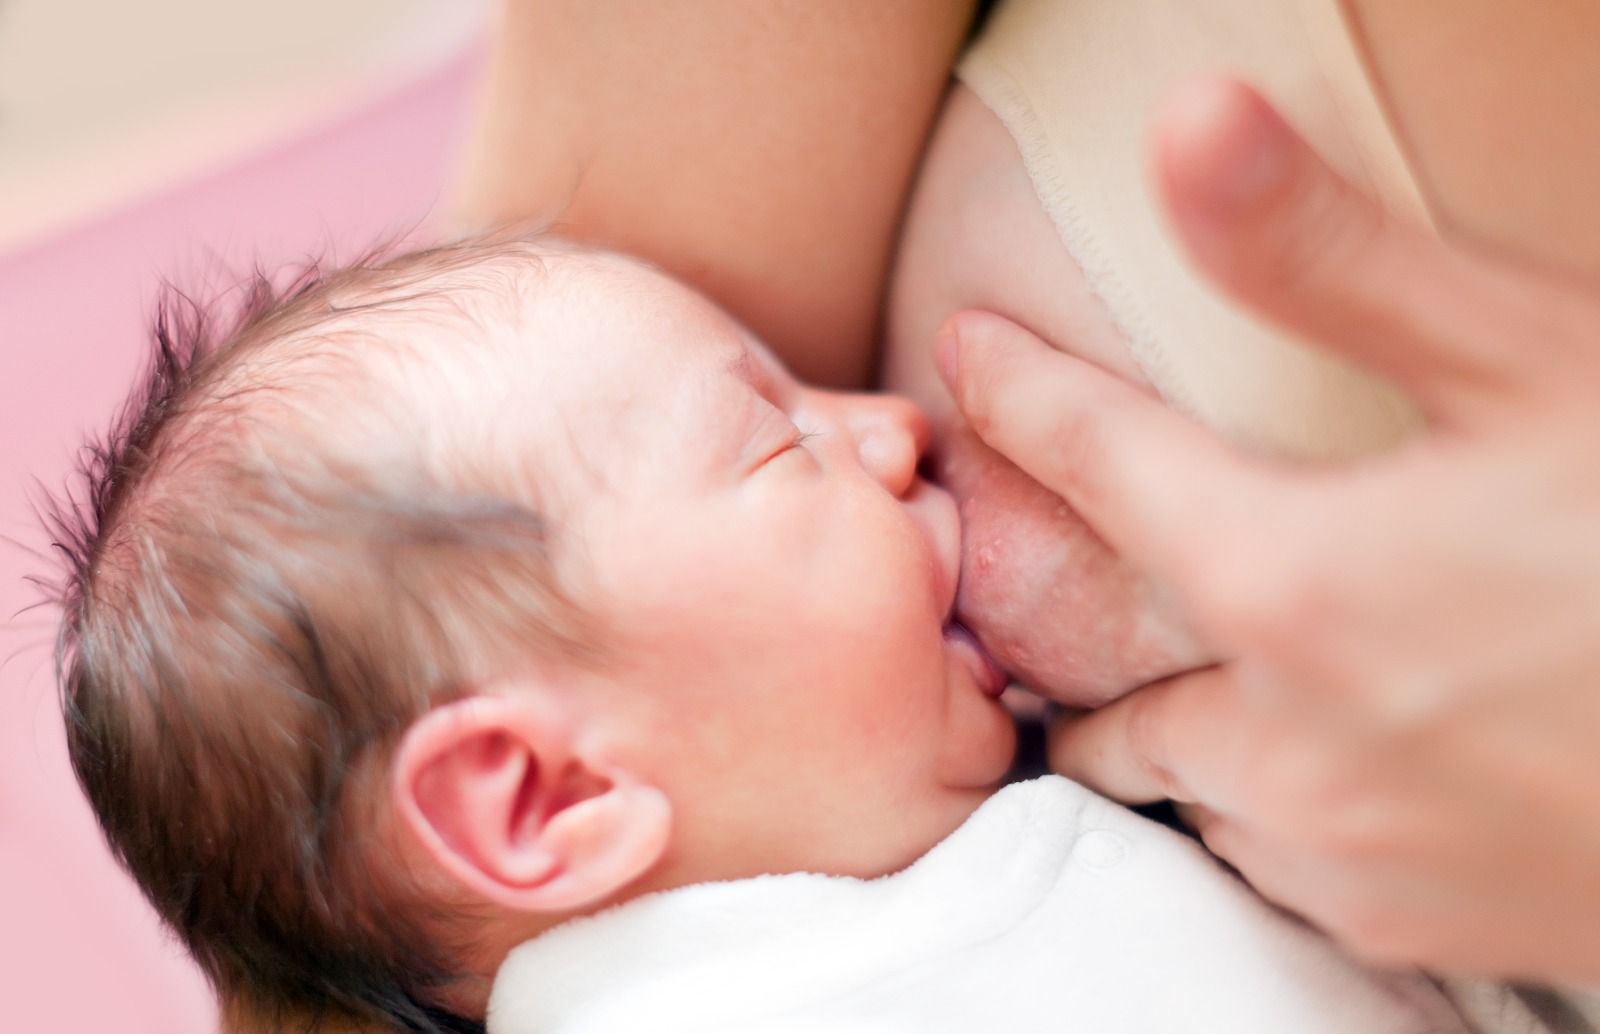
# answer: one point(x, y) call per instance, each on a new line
point(510, 367)
point(612, 328)
point(619, 367)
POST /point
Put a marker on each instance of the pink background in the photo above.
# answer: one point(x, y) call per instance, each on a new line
point(79, 951)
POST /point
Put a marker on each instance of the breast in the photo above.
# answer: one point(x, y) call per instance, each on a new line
point(1092, 267)
point(1056, 607)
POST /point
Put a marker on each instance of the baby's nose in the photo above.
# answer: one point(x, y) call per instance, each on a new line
point(891, 434)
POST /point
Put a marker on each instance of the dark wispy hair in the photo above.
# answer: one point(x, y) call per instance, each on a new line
point(248, 624)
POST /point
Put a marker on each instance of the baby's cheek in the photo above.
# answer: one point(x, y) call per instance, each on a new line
point(1050, 601)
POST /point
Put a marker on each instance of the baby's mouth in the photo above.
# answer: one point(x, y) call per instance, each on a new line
point(991, 680)
point(988, 675)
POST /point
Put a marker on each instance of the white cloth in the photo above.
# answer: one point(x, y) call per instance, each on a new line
point(1051, 909)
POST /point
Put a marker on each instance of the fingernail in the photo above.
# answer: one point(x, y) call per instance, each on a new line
point(947, 356)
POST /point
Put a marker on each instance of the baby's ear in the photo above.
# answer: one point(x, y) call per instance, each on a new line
point(500, 792)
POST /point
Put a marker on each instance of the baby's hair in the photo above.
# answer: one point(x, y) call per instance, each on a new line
point(273, 564)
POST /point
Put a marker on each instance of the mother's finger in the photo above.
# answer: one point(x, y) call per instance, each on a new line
point(1271, 222)
point(1179, 740)
point(1292, 879)
point(1164, 492)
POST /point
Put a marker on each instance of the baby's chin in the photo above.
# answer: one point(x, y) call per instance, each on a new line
point(1052, 604)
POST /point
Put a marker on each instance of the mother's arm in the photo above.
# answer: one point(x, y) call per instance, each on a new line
point(761, 151)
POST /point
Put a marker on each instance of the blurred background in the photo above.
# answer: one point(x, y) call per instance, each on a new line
point(171, 139)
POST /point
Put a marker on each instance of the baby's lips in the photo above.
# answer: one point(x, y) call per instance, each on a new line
point(988, 674)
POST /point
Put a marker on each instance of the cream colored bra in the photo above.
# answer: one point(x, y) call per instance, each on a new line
point(1075, 83)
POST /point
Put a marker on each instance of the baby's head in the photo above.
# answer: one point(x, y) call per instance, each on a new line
point(449, 596)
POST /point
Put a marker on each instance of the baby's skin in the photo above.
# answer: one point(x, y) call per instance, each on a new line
point(775, 583)
point(671, 616)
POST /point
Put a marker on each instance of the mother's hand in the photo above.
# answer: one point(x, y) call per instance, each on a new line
point(1406, 745)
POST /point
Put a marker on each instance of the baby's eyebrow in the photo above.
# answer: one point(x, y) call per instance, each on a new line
point(756, 407)
point(749, 368)
point(742, 366)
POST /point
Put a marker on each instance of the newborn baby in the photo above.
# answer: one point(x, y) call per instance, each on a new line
point(450, 597)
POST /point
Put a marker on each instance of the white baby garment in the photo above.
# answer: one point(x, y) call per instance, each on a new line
point(1050, 910)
